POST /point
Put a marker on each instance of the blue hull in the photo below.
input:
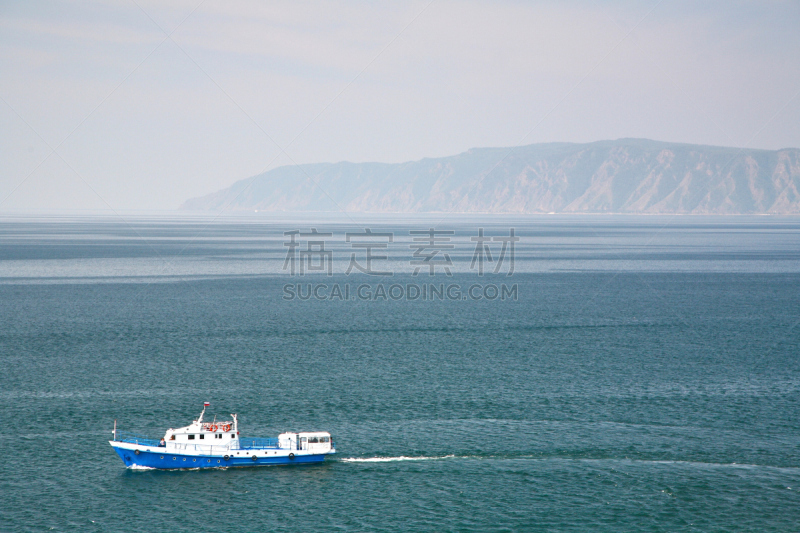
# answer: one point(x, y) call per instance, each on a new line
point(172, 461)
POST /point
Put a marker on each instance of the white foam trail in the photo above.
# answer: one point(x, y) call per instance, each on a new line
point(140, 467)
point(391, 459)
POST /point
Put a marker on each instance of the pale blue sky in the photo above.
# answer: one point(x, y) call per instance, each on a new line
point(142, 121)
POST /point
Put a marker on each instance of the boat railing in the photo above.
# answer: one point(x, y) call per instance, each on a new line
point(133, 438)
point(203, 448)
point(257, 443)
point(240, 444)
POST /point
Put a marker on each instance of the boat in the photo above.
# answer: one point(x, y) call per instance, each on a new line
point(217, 444)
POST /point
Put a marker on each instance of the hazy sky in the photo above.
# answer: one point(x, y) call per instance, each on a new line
point(147, 103)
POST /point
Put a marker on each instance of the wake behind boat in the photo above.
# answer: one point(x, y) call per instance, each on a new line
point(218, 445)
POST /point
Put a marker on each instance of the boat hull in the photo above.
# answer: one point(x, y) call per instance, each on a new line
point(162, 459)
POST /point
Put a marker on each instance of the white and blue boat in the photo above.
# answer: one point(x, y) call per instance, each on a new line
point(218, 445)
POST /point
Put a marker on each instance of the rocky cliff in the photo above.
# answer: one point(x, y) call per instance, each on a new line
point(622, 176)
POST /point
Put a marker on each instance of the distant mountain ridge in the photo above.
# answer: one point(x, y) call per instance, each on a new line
point(621, 176)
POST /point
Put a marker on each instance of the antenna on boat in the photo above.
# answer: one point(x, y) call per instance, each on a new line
point(115, 429)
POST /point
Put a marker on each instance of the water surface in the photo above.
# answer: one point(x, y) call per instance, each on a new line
point(645, 378)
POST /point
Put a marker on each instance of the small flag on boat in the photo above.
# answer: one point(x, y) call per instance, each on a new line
point(206, 404)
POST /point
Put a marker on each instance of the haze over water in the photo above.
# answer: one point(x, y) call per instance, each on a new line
point(645, 377)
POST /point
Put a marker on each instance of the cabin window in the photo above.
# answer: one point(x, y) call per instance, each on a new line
point(323, 439)
point(202, 436)
point(191, 437)
point(233, 436)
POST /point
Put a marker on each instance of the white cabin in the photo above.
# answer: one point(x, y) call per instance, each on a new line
point(313, 441)
point(223, 436)
point(216, 433)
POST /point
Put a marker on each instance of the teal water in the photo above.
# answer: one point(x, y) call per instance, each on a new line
point(645, 379)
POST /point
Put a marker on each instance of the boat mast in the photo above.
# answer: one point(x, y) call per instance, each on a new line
point(200, 420)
